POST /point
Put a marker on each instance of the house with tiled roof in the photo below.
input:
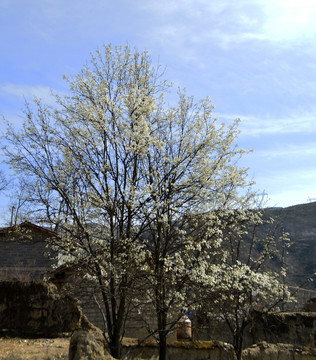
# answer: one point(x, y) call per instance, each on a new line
point(23, 252)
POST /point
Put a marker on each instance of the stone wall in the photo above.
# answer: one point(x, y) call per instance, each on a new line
point(89, 345)
point(196, 350)
point(212, 350)
point(310, 305)
point(294, 328)
point(290, 328)
point(265, 351)
point(285, 327)
point(37, 309)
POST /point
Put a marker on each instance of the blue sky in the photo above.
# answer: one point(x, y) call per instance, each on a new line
point(255, 59)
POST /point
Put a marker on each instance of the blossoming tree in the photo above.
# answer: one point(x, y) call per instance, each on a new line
point(245, 282)
point(138, 190)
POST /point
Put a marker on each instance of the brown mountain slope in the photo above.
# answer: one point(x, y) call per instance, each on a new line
point(300, 222)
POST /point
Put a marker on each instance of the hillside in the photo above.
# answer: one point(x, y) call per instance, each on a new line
point(300, 222)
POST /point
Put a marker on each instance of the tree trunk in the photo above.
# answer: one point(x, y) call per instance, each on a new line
point(238, 343)
point(115, 346)
point(162, 321)
point(162, 345)
point(114, 320)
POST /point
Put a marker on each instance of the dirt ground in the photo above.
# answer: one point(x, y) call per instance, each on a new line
point(33, 349)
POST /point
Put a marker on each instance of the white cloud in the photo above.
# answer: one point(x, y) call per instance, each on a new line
point(28, 92)
point(13, 98)
point(226, 23)
point(251, 125)
point(289, 19)
point(189, 8)
point(290, 152)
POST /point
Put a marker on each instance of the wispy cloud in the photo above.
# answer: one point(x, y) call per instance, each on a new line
point(227, 23)
point(252, 125)
point(223, 22)
point(28, 92)
point(289, 20)
point(290, 152)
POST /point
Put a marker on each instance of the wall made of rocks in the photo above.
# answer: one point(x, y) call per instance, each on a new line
point(266, 351)
point(189, 351)
point(37, 309)
point(289, 328)
point(89, 345)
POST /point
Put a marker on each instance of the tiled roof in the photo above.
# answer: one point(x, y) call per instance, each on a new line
point(30, 225)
